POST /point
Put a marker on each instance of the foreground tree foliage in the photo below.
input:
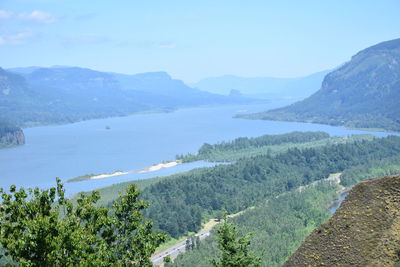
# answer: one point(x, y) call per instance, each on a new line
point(43, 228)
point(234, 251)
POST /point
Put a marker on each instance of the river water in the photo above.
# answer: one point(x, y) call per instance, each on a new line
point(131, 143)
point(337, 204)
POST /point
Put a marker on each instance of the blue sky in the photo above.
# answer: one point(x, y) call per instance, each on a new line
point(193, 39)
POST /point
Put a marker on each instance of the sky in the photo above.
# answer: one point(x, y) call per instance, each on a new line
point(192, 40)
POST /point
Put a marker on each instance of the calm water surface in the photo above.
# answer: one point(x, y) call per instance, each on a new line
point(132, 143)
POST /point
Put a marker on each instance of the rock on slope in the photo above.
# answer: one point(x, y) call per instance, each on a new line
point(364, 231)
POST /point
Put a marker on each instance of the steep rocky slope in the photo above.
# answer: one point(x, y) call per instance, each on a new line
point(364, 231)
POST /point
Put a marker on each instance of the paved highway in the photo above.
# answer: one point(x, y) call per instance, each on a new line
point(177, 249)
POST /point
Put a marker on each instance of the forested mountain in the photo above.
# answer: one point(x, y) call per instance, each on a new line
point(66, 94)
point(10, 135)
point(363, 93)
point(364, 231)
point(264, 87)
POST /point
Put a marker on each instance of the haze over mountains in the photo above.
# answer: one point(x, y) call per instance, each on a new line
point(264, 87)
point(363, 93)
point(33, 95)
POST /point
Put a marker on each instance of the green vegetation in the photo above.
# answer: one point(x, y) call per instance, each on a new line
point(43, 228)
point(81, 178)
point(280, 226)
point(90, 176)
point(234, 251)
point(363, 93)
point(376, 168)
point(180, 203)
point(110, 193)
point(244, 147)
point(364, 231)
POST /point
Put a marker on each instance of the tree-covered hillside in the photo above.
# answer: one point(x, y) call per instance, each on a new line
point(37, 96)
point(279, 226)
point(363, 93)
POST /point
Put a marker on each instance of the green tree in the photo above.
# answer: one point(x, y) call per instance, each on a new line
point(167, 261)
point(43, 228)
point(234, 251)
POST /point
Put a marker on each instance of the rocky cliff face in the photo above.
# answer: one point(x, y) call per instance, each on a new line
point(11, 135)
point(364, 231)
point(13, 138)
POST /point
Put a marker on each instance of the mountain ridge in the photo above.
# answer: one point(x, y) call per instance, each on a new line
point(60, 94)
point(362, 93)
point(266, 87)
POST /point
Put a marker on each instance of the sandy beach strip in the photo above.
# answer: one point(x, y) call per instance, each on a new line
point(101, 176)
point(159, 166)
point(119, 173)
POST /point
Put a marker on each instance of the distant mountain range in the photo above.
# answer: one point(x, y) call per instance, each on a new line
point(363, 93)
point(264, 87)
point(364, 231)
point(36, 96)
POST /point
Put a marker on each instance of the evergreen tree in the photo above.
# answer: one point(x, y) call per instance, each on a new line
point(234, 251)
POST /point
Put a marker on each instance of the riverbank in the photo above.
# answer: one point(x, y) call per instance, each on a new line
point(152, 168)
point(160, 166)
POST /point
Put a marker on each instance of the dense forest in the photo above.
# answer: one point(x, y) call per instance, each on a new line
point(274, 221)
point(244, 147)
point(180, 204)
point(279, 226)
point(210, 152)
point(10, 135)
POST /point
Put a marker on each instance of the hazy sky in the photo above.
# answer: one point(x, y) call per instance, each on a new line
point(193, 39)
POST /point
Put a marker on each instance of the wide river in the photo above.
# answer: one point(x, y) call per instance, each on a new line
point(133, 142)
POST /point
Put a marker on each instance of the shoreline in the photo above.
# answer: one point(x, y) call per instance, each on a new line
point(101, 176)
point(160, 166)
point(152, 168)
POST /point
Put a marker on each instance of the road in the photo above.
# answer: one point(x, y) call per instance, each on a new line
point(177, 249)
